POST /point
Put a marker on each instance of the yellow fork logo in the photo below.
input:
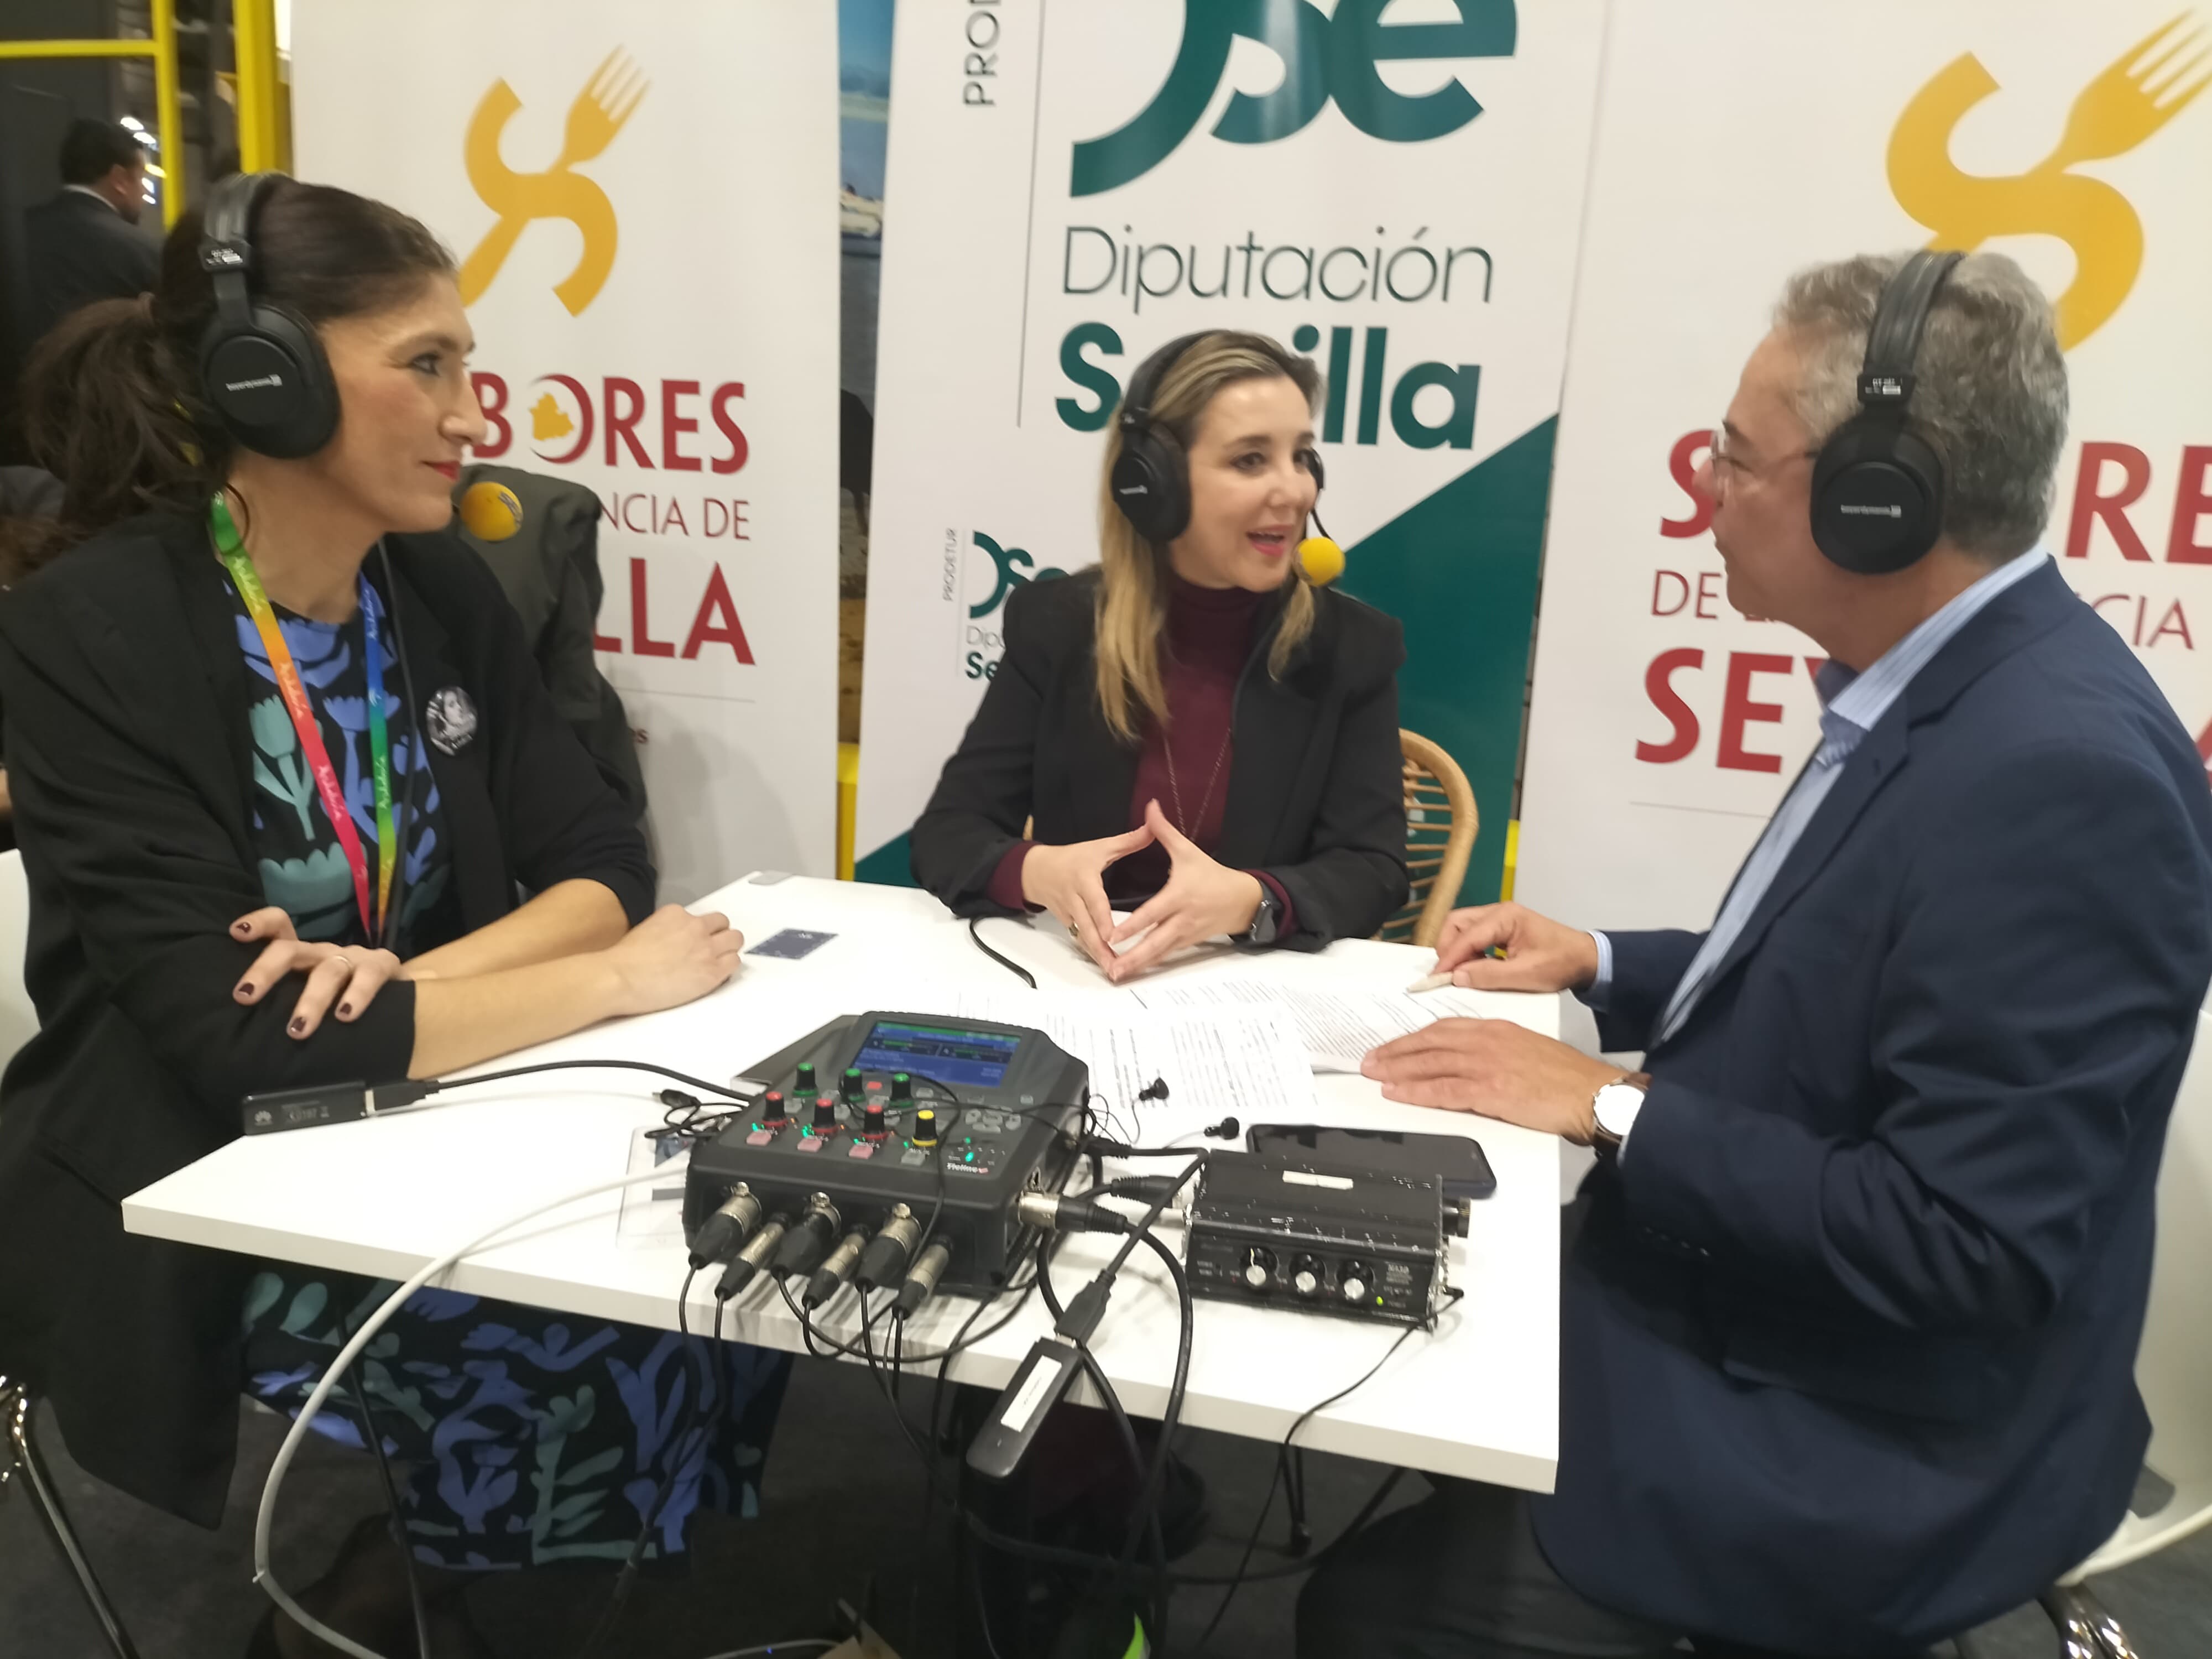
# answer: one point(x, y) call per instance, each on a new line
point(608, 100)
point(2138, 93)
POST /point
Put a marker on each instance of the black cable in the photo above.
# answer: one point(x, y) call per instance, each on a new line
point(884, 1384)
point(1148, 1500)
point(687, 1080)
point(375, 1438)
point(626, 1579)
point(1291, 1468)
point(1140, 1512)
point(848, 1351)
point(1198, 1157)
point(983, 1605)
point(1142, 1523)
point(1005, 961)
point(1115, 1149)
point(1252, 1543)
point(936, 1421)
point(898, 1353)
point(1054, 1556)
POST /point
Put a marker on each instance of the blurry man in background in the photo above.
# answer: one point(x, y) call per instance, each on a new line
point(82, 247)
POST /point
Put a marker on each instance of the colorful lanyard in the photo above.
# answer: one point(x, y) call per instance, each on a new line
point(241, 566)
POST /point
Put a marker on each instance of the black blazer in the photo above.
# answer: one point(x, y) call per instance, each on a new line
point(1315, 792)
point(129, 761)
point(1847, 1342)
point(77, 250)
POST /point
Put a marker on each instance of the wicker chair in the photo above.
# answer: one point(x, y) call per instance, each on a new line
point(1441, 822)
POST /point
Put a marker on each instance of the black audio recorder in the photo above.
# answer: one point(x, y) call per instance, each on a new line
point(1319, 1236)
point(878, 1110)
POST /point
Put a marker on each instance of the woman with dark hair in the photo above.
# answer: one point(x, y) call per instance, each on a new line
point(1198, 732)
point(218, 909)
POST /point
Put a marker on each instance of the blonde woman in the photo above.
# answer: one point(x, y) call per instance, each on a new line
point(1201, 736)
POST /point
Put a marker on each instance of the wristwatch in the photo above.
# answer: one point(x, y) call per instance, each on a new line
point(1613, 1109)
point(1267, 920)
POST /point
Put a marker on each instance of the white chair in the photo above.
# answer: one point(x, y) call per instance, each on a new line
point(20, 1459)
point(2174, 1370)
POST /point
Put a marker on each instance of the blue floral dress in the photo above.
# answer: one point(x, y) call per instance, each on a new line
point(531, 1436)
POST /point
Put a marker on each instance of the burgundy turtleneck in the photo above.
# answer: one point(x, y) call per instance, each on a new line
point(1209, 639)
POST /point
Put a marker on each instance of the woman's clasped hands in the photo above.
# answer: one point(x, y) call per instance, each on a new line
point(1202, 899)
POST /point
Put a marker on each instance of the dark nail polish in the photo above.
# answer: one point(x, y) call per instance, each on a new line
point(298, 1026)
point(345, 1011)
point(245, 990)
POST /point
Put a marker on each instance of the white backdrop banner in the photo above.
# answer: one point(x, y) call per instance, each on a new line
point(1074, 182)
point(643, 200)
point(1738, 140)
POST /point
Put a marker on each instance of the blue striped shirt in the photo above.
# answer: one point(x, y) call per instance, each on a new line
point(1853, 704)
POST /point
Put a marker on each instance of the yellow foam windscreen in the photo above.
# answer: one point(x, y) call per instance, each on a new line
point(1323, 558)
point(490, 511)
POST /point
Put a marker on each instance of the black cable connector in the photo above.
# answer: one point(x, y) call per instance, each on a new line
point(922, 1282)
point(745, 1266)
point(834, 1273)
point(808, 1240)
point(1144, 1189)
point(884, 1262)
point(1085, 1310)
point(1055, 1213)
point(721, 1233)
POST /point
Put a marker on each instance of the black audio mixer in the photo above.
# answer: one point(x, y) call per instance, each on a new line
point(1318, 1236)
point(880, 1110)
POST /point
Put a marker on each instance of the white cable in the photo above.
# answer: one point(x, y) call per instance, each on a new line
point(264, 1522)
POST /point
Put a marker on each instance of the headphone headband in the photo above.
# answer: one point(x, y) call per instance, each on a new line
point(262, 368)
point(1900, 318)
point(227, 243)
point(1144, 384)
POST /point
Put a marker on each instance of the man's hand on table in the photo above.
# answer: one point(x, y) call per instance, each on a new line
point(1496, 1069)
point(1540, 954)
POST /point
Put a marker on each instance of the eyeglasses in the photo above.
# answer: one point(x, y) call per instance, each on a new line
point(1720, 460)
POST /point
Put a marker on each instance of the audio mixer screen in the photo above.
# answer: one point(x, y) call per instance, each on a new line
point(966, 1060)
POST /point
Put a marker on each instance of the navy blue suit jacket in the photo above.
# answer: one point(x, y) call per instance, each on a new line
point(1848, 1333)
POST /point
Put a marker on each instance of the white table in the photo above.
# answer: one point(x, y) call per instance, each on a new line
point(1477, 1398)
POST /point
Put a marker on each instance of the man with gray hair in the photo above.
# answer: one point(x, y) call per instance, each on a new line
point(1850, 1313)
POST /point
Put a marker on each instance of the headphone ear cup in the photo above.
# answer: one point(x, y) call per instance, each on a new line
point(1320, 472)
point(1150, 486)
point(270, 384)
point(1877, 500)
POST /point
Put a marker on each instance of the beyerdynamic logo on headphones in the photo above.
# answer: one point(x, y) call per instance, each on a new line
point(249, 386)
point(609, 98)
point(2135, 95)
point(1862, 510)
point(1323, 57)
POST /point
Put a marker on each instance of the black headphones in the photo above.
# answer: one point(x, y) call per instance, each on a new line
point(1151, 475)
point(1878, 485)
point(261, 364)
